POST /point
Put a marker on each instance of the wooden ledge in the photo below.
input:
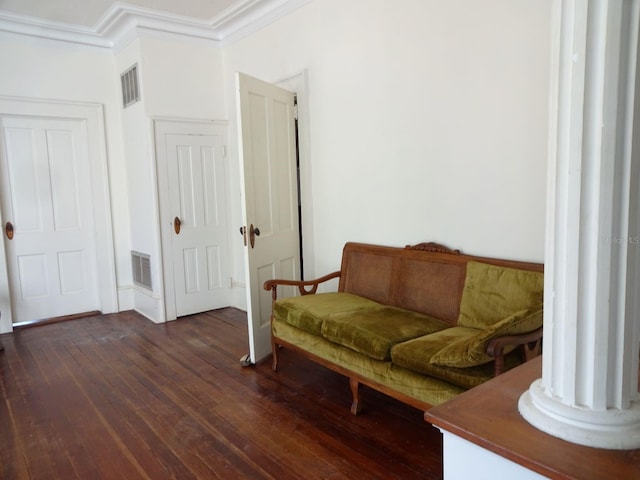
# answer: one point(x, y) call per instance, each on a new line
point(488, 417)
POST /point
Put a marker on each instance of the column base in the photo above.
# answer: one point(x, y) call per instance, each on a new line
point(611, 429)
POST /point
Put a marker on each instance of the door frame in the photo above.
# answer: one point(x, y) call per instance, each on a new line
point(181, 126)
point(92, 114)
point(299, 84)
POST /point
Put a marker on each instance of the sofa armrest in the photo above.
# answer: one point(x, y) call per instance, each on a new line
point(305, 287)
point(530, 345)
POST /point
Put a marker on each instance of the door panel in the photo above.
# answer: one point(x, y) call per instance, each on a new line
point(271, 199)
point(214, 264)
point(46, 196)
point(24, 190)
point(64, 187)
point(196, 175)
point(32, 276)
point(70, 267)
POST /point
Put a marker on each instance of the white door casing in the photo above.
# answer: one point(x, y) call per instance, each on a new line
point(92, 119)
point(191, 187)
point(46, 202)
point(267, 149)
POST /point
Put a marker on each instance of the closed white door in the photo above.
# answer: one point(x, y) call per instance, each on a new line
point(268, 149)
point(197, 199)
point(47, 215)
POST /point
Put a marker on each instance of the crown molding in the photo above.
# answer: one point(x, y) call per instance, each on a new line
point(123, 22)
point(248, 16)
point(50, 30)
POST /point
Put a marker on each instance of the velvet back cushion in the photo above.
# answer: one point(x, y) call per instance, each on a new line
point(469, 348)
point(415, 355)
point(492, 293)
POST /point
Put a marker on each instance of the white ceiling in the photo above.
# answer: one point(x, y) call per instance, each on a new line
point(87, 13)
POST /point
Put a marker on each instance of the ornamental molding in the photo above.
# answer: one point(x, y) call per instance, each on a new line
point(123, 22)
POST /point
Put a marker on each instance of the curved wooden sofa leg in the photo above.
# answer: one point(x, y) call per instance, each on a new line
point(355, 394)
point(274, 356)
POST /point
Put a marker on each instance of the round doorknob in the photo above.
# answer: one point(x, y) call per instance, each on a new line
point(8, 230)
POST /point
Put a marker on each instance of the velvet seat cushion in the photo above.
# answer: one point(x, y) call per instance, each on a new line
point(374, 331)
point(307, 312)
point(492, 293)
point(415, 385)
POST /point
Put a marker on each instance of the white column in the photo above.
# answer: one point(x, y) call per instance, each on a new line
point(588, 393)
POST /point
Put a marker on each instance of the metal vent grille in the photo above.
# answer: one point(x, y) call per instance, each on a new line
point(130, 86)
point(141, 264)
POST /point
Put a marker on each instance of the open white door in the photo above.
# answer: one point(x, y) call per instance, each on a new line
point(268, 152)
point(192, 199)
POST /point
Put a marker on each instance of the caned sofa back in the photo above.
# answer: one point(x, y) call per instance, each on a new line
point(426, 278)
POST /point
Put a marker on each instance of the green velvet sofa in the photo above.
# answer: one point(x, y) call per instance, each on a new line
point(421, 324)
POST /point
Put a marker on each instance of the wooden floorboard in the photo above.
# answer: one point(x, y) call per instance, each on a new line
point(118, 397)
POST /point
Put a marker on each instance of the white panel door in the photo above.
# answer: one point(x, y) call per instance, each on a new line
point(196, 181)
point(268, 148)
point(47, 215)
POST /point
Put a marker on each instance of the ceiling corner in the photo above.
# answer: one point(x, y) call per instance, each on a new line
point(122, 23)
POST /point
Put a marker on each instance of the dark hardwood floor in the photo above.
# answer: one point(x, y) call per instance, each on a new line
point(117, 397)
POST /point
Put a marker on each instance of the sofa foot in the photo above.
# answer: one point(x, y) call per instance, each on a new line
point(355, 394)
point(274, 357)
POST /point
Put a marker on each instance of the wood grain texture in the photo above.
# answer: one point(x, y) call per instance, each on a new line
point(488, 416)
point(116, 396)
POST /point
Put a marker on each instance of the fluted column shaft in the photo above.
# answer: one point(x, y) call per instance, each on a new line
point(588, 393)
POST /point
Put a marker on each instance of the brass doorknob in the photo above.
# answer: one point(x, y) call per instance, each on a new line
point(176, 225)
point(253, 233)
point(8, 230)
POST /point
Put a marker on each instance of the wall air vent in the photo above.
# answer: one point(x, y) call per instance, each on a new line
point(130, 86)
point(141, 264)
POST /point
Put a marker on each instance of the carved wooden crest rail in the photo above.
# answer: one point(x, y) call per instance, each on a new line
point(433, 247)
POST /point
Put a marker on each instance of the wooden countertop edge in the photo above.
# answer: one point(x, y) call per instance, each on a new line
point(493, 447)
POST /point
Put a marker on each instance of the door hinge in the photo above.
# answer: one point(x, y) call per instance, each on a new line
point(295, 111)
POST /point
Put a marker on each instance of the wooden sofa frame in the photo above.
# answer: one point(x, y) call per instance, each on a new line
point(529, 344)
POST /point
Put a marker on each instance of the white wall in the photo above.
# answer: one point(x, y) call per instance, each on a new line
point(178, 79)
point(183, 79)
point(47, 70)
point(137, 141)
point(428, 121)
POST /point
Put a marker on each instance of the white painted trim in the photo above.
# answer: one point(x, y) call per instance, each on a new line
point(51, 30)
point(163, 126)
point(299, 84)
point(123, 22)
point(125, 297)
point(93, 115)
point(252, 15)
point(147, 304)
